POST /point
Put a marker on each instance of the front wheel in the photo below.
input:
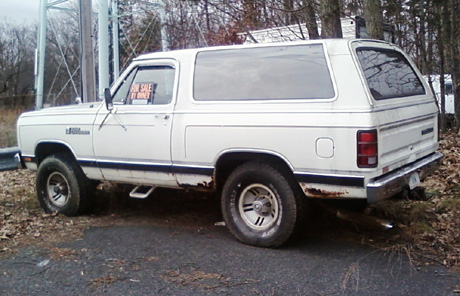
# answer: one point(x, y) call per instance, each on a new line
point(61, 186)
point(259, 205)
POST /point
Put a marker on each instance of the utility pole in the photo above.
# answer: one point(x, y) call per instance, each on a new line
point(103, 22)
point(88, 82)
point(115, 40)
point(40, 60)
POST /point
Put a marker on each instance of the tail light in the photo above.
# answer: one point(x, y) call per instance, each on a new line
point(367, 149)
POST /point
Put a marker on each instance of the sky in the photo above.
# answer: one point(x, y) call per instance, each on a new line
point(19, 11)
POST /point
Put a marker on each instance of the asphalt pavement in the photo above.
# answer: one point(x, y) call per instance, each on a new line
point(153, 253)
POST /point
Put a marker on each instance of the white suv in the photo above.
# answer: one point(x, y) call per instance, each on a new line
point(267, 126)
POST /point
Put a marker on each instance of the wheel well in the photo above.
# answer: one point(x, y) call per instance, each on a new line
point(228, 162)
point(44, 150)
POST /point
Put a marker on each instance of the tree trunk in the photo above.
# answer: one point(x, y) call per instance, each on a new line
point(443, 33)
point(250, 14)
point(206, 11)
point(310, 19)
point(288, 8)
point(421, 39)
point(330, 19)
point(374, 18)
point(454, 9)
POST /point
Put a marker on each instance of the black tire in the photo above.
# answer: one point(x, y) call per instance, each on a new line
point(62, 186)
point(260, 206)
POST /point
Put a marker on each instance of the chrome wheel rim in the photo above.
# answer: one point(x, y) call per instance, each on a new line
point(258, 206)
point(58, 189)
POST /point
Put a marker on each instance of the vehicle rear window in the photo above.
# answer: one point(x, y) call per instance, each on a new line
point(389, 74)
point(263, 73)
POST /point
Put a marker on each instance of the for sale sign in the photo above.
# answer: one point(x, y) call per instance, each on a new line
point(141, 91)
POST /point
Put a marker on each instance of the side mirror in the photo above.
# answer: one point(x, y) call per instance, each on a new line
point(108, 99)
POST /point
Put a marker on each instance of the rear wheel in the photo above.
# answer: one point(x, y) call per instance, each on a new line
point(62, 186)
point(259, 205)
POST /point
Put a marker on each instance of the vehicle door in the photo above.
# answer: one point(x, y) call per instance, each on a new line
point(132, 143)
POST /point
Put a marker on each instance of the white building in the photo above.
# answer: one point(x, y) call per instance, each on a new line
point(352, 27)
point(449, 92)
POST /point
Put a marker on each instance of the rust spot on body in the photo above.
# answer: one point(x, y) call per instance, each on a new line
point(206, 184)
point(320, 193)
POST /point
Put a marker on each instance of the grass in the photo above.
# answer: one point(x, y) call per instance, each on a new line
point(404, 211)
point(8, 118)
point(449, 204)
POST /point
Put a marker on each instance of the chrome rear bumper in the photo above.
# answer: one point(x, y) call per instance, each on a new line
point(392, 183)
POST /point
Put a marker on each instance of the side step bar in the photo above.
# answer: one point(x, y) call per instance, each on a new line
point(141, 191)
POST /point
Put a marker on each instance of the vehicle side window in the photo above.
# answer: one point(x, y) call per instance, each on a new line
point(147, 85)
point(264, 73)
point(389, 74)
point(120, 96)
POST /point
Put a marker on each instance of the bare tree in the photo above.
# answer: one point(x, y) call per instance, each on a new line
point(17, 44)
point(330, 19)
point(310, 18)
point(454, 53)
point(374, 18)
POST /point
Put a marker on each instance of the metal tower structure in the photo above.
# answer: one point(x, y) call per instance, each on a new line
point(88, 92)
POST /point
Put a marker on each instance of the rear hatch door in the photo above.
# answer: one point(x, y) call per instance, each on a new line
point(403, 106)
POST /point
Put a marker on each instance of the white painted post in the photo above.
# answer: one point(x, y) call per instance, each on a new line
point(88, 83)
point(115, 40)
point(103, 32)
point(40, 75)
